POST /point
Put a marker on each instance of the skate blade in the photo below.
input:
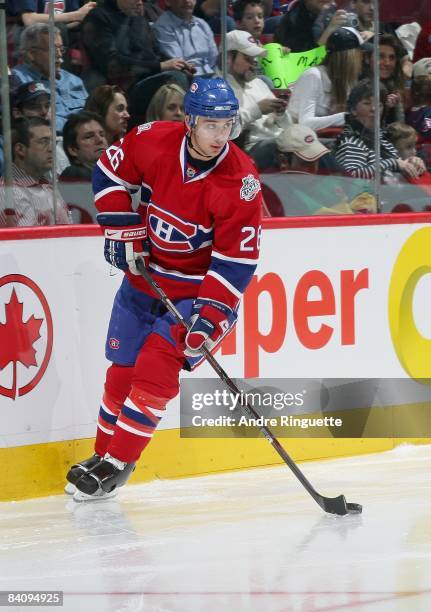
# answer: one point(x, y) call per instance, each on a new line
point(80, 497)
point(69, 489)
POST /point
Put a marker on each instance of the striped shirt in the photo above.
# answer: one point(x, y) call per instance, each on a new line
point(32, 202)
point(359, 160)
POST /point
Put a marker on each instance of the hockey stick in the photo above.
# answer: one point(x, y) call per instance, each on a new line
point(332, 505)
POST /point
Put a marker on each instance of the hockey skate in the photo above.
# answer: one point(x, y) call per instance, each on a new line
point(77, 470)
point(103, 480)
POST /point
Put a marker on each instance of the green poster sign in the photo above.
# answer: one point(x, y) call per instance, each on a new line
point(286, 68)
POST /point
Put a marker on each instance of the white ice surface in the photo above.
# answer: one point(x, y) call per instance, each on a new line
point(247, 541)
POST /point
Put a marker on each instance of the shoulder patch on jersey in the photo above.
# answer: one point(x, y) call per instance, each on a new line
point(143, 127)
point(250, 188)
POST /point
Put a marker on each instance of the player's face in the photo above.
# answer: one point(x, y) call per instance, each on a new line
point(209, 136)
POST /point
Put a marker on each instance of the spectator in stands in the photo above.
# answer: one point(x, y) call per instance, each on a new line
point(167, 104)
point(391, 75)
point(69, 12)
point(419, 115)
point(33, 202)
point(404, 138)
point(364, 9)
point(423, 42)
point(249, 16)
point(355, 148)
point(181, 34)
point(110, 103)
point(122, 46)
point(33, 99)
point(320, 94)
point(308, 191)
point(263, 116)
point(297, 29)
point(70, 90)
point(209, 10)
point(84, 141)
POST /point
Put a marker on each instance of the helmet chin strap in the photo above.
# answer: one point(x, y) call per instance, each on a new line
point(196, 148)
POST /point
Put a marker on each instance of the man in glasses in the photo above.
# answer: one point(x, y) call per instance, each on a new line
point(70, 90)
point(32, 200)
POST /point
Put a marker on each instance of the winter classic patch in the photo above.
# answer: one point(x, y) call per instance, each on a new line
point(250, 188)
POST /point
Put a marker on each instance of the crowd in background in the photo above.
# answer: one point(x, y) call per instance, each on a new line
point(119, 63)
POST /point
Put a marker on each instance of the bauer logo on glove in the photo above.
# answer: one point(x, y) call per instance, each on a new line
point(125, 239)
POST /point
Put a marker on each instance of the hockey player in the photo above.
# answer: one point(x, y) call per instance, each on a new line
point(197, 228)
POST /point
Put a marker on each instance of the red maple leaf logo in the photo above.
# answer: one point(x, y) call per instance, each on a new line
point(17, 338)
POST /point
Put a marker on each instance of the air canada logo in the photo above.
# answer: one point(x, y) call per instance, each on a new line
point(26, 334)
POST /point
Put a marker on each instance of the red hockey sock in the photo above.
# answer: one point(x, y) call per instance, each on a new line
point(117, 387)
point(140, 415)
point(155, 382)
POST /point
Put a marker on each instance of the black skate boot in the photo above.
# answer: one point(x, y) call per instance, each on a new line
point(77, 470)
point(103, 480)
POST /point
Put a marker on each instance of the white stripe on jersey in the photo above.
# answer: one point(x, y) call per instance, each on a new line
point(161, 270)
point(115, 178)
point(226, 283)
point(105, 192)
point(241, 260)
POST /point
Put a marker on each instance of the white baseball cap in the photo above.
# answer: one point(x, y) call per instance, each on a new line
point(302, 141)
point(242, 41)
point(422, 67)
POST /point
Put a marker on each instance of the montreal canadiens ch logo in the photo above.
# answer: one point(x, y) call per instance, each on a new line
point(171, 233)
point(26, 335)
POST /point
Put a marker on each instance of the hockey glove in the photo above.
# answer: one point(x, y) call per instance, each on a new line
point(125, 239)
point(208, 322)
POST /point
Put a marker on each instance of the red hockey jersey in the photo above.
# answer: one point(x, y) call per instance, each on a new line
point(203, 226)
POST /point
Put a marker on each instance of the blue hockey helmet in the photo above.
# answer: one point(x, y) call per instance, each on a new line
point(213, 99)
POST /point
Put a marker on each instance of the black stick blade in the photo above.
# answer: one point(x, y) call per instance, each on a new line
point(338, 505)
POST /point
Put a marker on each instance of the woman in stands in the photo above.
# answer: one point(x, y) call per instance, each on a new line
point(391, 54)
point(110, 103)
point(167, 104)
point(354, 149)
point(320, 94)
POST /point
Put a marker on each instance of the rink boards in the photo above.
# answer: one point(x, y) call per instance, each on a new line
point(331, 298)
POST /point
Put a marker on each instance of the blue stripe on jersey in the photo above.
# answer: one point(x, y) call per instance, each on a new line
point(100, 181)
point(109, 418)
point(139, 417)
point(237, 274)
point(145, 194)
